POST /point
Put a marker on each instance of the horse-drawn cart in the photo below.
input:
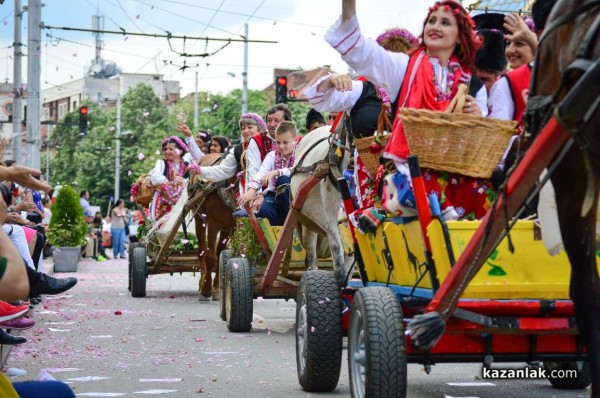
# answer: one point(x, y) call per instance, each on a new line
point(276, 272)
point(516, 308)
point(156, 252)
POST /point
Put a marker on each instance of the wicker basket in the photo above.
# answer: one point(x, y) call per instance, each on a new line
point(455, 142)
point(145, 190)
point(363, 145)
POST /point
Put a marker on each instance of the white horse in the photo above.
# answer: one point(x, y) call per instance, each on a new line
point(323, 201)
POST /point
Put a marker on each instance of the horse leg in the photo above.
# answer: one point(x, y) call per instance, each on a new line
point(337, 252)
point(211, 260)
point(224, 236)
point(579, 239)
point(202, 248)
point(309, 241)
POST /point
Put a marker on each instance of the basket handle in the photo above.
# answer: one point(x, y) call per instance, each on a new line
point(457, 103)
point(383, 121)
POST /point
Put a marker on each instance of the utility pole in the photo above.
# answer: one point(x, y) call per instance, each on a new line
point(118, 152)
point(50, 128)
point(34, 40)
point(17, 124)
point(196, 105)
point(245, 73)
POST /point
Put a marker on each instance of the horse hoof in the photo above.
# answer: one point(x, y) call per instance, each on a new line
point(203, 298)
point(216, 295)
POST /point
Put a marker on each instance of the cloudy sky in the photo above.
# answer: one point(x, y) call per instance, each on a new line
point(298, 27)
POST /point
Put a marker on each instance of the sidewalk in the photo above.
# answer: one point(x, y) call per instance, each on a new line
point(47, 268)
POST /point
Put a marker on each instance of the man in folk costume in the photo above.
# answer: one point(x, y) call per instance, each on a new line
point(314, 120)
point(490, 60)
point(508, 97)
point(263, 143)
point(251, 124)
point(428, 79)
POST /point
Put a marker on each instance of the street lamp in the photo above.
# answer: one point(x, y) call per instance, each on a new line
point(244, 90)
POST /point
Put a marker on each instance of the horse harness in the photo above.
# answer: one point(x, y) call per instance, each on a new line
point(577, 108)
point(333, 158)
point(223, 189)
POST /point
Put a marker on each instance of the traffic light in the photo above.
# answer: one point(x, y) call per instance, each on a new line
point(83, 120)
point(281, 89)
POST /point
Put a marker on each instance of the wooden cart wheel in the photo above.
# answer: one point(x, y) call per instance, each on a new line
point(319, 335)
point(238, 295)
point(139, 272)
point(376, 345)
point(223, 260)
point(583, 379)
point(130, 261)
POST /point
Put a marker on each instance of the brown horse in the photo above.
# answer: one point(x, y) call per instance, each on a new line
point(571, 34)
point(214, 216)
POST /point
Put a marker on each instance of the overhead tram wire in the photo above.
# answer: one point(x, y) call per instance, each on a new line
point(93, 46)
point(155, 35)
point(184, 17)
point(241, 14)
point(128, 17)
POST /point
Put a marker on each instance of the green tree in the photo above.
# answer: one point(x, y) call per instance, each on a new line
point(67, 226)
point(90, 161)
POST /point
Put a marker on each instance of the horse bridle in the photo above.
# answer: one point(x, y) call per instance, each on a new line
point(331, 158)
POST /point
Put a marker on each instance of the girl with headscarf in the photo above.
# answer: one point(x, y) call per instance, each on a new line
point(168, 176)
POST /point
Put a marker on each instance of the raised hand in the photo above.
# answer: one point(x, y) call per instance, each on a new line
point(24, 176)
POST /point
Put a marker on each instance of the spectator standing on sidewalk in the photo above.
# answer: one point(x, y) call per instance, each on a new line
point(117, 228)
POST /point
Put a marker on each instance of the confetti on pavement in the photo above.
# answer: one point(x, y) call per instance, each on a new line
point(155, 392)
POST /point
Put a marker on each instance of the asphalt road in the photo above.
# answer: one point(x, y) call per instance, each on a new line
point(105, 343)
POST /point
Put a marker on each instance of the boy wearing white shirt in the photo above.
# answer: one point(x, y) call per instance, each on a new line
point(275, 172)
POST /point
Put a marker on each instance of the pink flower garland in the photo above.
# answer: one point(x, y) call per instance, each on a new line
point(400, 32)
point(194, 168)
point(385, 99)
point(179, 142)
point(260, 123)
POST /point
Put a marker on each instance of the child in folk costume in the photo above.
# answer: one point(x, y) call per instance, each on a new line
point(168, 177)
point(427, 79)
point(275, 172)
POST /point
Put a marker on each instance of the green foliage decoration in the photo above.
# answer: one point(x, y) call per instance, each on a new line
point(67, 226)
point(179, 243)
point(244, 241)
